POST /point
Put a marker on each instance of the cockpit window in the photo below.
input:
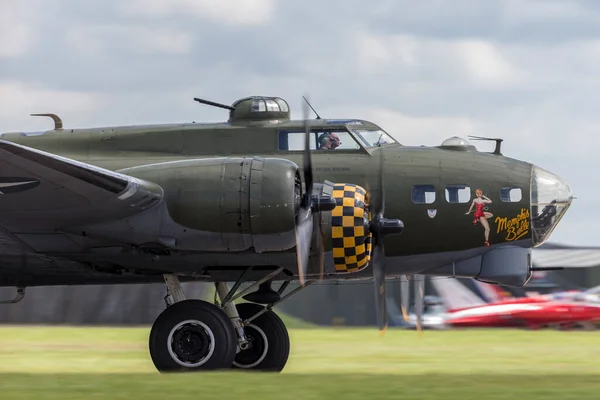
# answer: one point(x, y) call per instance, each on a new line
point(320, 140)
point(372, 138)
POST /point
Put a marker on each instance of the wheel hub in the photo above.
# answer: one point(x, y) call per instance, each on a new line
point(256, 351)
point(191, 343)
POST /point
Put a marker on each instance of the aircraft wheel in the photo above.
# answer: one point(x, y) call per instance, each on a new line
point(269, 339)
point(192, 335)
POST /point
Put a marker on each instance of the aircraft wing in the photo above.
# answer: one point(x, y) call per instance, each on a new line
point(41, 192)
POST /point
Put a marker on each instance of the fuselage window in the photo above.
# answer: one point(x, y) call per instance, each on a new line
point(458, 193)
point(511, 194)
point(423, 194)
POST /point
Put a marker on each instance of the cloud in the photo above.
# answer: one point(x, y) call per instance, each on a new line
point(99, 41)
point(548, 12)
point(231, 12)
point(476, 63)
point(17, 29)
point(487, 66)
point(507, 21)
point(376, 53)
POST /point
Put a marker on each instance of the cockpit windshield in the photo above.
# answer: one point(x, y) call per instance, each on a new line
point(372, 138)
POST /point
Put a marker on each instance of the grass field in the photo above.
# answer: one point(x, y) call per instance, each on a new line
point(113, 363)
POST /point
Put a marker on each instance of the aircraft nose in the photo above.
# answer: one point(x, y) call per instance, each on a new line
point(551, 197)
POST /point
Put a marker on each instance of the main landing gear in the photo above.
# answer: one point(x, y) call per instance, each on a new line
point(195, 335)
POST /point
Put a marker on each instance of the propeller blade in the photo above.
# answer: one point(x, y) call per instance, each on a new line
point(308, 173)
point(404, 296)
point(379, 227)
point(321, 246)
point(379, 254)
point(377, 205)
point(303, 239)
point(381, 205)
point(304, 224)
point(310, 207)
point(419, 295)
point(321, 203)
point(379, 278)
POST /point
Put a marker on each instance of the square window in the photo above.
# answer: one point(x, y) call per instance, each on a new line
point(511, 194)
point(458, 193)
point(423, 194)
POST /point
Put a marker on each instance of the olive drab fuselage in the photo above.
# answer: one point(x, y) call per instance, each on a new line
point(431, 189)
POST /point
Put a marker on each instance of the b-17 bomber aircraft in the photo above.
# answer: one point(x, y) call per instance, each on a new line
point(254, 201)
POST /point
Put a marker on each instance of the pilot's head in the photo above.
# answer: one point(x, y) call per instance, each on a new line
point(329, 140)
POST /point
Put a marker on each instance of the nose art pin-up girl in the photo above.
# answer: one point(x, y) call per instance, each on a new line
point(480, 202)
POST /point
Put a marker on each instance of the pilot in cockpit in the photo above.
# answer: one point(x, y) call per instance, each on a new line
point(328, 141)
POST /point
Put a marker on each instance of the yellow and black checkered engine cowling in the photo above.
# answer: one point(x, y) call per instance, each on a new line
point(350, 236)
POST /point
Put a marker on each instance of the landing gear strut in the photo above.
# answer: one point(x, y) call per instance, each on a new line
point(192, 335)
point(269, 343)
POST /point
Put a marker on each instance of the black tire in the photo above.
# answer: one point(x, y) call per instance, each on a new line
point(164, 349)
point(270, 356)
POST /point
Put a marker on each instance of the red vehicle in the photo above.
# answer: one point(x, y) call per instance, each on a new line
point(562, 310)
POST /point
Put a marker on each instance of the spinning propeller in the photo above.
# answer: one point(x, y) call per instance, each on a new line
point(309, 204)
point(379, 226)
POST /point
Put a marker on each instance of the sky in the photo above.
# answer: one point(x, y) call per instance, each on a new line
point(526, 71)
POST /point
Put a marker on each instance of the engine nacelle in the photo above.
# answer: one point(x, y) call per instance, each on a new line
point(248, 202)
